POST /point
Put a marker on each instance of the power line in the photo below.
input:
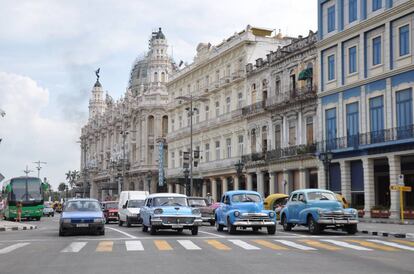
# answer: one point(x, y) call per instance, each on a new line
point(39, 167)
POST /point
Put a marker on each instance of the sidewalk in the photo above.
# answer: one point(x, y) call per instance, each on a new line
point(8, 226)
point(368, 226)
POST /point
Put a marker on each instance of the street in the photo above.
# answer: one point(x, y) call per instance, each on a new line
point(126, 250)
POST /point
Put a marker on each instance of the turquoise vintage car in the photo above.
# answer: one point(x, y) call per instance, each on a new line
point(243, 208)
point(318, 209)
point(169, 211)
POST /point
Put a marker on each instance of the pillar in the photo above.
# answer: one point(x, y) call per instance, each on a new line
point(303, 178)
point(394, 163)
point(214, 189)
point(177, 188)
point(369, 190)
point(287, 178)
point(249, 181)
point(260, 182)
point(346, 179)
point(154, 184)
point(321, 176)
point(170, 188)
point(224, 184)
point(272, 182)
point(204, 189)
point(236, 183)
point(94, 190)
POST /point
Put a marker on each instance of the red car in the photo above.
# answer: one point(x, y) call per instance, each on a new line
point(110, 211)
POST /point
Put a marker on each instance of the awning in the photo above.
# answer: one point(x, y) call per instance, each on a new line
point(306, 74)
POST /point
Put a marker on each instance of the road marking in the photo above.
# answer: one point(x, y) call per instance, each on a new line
point(404, 242)
point(270, 245)
point(122, 232)
point(218, 245)
point(244, 245)
point(295, 245)
point(74, 247)
point(213, 234)
point(320, 245)
point(162, 245)
point(393, 245)
point(189, 245)
point(105, 246)
point(134, 246)
point(12, 247)
point(373, 245)
point(347, 245)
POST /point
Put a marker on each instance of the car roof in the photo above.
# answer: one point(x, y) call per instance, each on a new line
point(233, 192)
point(307, 190)
point(108, 202)
point(155, 195)
point(199, 198)
point(82, 199)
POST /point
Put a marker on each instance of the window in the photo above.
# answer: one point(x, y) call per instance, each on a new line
point(352, 59)
point(217, 150)
point(173, 159)
point(376, 110)
point(292, 133)
point(292, 83)
point(228, 147)
point(172, 124)
point(197, 114)
point(217, 75)
point(404, 113)
point(241, 145)
point(207, 152)
point(331, 67)
point(376, 51)
point(228, 104)
point(376, 5)
point(277, 88)
point(331, 18)
point(353, 10)
point(352, 124)
point(180, 156)
point(240, 100)
point(207, 109)
point(404, 40)
point(330, 124)
point(217, 108)
point(277, 136)
point(207, 81)
point(309, 130)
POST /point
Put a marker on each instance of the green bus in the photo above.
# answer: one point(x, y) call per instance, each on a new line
point(28, 191)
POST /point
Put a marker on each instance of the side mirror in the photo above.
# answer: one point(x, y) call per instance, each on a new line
point(124, 206)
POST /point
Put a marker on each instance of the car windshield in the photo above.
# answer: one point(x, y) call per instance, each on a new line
point(170, 201)
point(111, 205)
point(72, 206)
point(197, 202)
point(245, 198)
point(319, 195)
point(135, 203)
point(26, 189)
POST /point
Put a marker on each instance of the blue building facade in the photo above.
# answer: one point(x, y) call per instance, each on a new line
point(365, 100)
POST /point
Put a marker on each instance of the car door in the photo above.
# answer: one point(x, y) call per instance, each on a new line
point(301, 205)
point(145, 212)
point(220, 211)
point(226, 207)
point(293, 204)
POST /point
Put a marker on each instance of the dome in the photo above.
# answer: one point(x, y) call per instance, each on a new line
point(158, 35)
point(97, 84)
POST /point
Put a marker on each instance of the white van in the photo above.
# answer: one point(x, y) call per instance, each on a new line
point(130, 203)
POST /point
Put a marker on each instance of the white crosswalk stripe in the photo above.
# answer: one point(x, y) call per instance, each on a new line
point(134, 246)
point(12, 247)
point(189, 245)
point(74, 247)
point(347, 245)
point(244, 245)
point(295, 245)
point(393, 244)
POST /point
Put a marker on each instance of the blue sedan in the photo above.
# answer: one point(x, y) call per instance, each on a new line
point(82, 215)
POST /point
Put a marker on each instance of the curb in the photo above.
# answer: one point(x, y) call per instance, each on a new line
point(388, 234)
point(15, 228)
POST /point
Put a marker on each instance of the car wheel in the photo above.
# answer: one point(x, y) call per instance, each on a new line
point(313, 226)
point(179, 230)
point(271, 230)
point(61, 233)
point(37, 218)
point(256, 229)
point(230, 227)
point(53, 214)
point(285, 224)
point(144, 228)
point(128, 223)
point(219, 227)
point(194, 230)
point(212, 222)
point(351, 229)
point(120, 223)
point(153, 230)
point(102, 232)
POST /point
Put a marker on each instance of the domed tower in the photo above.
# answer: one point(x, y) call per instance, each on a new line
point(96, 102)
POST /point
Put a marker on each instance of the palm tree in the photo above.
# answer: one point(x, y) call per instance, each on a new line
point(62, 187)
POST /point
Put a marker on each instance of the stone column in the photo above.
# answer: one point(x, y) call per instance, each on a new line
point(170, 188)
point(260, 182)
point(287, 178)
point(249, 181)
point(236, 183)
point(369, 190)
point(154, 184)
point(346, 179)
point(214, 189)
point(303, 178)
point(94, 190)
point(204, 189)
point(394, 163)
point(321, 176)
point(224, 184)
point(272, 182)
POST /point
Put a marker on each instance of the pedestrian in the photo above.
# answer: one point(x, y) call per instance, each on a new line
point(209, 199)
point(19, 211)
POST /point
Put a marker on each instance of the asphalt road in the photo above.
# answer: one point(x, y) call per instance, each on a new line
point(129, 250)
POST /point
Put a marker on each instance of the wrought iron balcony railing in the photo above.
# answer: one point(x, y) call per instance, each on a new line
point(281, 153)
point(254, 108)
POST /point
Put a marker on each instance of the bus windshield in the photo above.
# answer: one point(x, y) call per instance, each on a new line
point(26, 189)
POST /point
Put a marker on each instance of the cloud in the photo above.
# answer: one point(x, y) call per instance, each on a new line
point(29, 136)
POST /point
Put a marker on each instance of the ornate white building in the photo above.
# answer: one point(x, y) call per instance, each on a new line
point(120, 149)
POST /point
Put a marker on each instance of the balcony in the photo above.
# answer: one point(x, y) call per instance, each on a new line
point(291, 96)
point(237, 75)
point(225, 80)
point(391, 136)
point(253, 109)
point(281, 153)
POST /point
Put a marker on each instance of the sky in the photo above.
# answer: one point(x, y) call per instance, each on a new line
point(49, 51)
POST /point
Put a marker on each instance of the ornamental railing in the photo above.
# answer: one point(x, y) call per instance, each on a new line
point(254, 108)
point(281, 153)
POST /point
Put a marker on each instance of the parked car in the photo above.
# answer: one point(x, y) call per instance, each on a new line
point(129, 206)
point(276, 202)
point(110, 211)
point(207, 213)
point(82, 215)
point(243, 208)
point(318, 209)
point(48, 209)
point(169, 211)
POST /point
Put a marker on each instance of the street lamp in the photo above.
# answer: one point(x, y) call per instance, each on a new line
point(326, 158)
point(149, 177)
point(239, 169)
point(187, 185)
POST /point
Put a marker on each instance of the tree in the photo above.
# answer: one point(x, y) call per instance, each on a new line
point(62, 187)
point(72, 176)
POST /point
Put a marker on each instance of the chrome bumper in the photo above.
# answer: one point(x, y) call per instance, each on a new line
point(337, 222)
point(159, 222)
point(250, 223)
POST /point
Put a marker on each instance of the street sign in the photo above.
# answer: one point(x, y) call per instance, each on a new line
point(400, 188)
point(400, 179)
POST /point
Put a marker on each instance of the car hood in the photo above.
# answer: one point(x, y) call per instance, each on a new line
point(112, 210)
point(248, 207)
point(206, 209)
point(176, 210)
point(82, 214)
point(134, 210)
point(331, 205)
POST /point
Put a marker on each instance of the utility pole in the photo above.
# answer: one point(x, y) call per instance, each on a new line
point(39, 167)
point(84, 147)
point(124, 134)
point(27, 171)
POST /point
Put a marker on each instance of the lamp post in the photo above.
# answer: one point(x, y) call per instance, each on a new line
point(187, 185)
point(239, 169)
point(149, 177)
point(326, 158)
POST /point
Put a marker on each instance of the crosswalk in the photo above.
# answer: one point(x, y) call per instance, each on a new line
point(308, 245)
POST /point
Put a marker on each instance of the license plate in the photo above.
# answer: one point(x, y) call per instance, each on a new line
point(256, 223)
point(176, 226)
point(82, 225)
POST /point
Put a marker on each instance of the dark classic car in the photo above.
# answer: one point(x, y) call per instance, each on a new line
point(207, 212)
point(110, 211)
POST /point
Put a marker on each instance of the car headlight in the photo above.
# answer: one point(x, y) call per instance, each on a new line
point(236, 213)
point(322, 211)
point(271, 214)
point(66, 221)
point(195, 211)
point(98, 220)
point(158, 211)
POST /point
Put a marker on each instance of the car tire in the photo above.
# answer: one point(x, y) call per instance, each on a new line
point(144, 228)
point(37, 218)
point(180, 230)
point(255, 229)
point(194, 231)
point(153, 230)
point(120, 223)
point(61, 233)
point(271, 230)
point(53, 214)
point(351, 229)
point(230, 227)
point(219, 227)
point(212, 222)
point(285, 224)
point(102, 232)
point(128, 223)
point(313, 226)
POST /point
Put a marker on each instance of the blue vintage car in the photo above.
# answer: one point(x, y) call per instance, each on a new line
point(318, 209)
point(169, 211)
point(243, 208)
point(82, 215)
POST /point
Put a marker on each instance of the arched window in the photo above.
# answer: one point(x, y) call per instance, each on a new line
point(292, 83)
point(253, 140)
point(264, 138)
point(164, 126)
point(162, 76)
point(253, 93)
point(155, 76)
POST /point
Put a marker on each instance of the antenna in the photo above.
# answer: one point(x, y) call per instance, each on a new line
point(39, 167)
point(27, 171)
